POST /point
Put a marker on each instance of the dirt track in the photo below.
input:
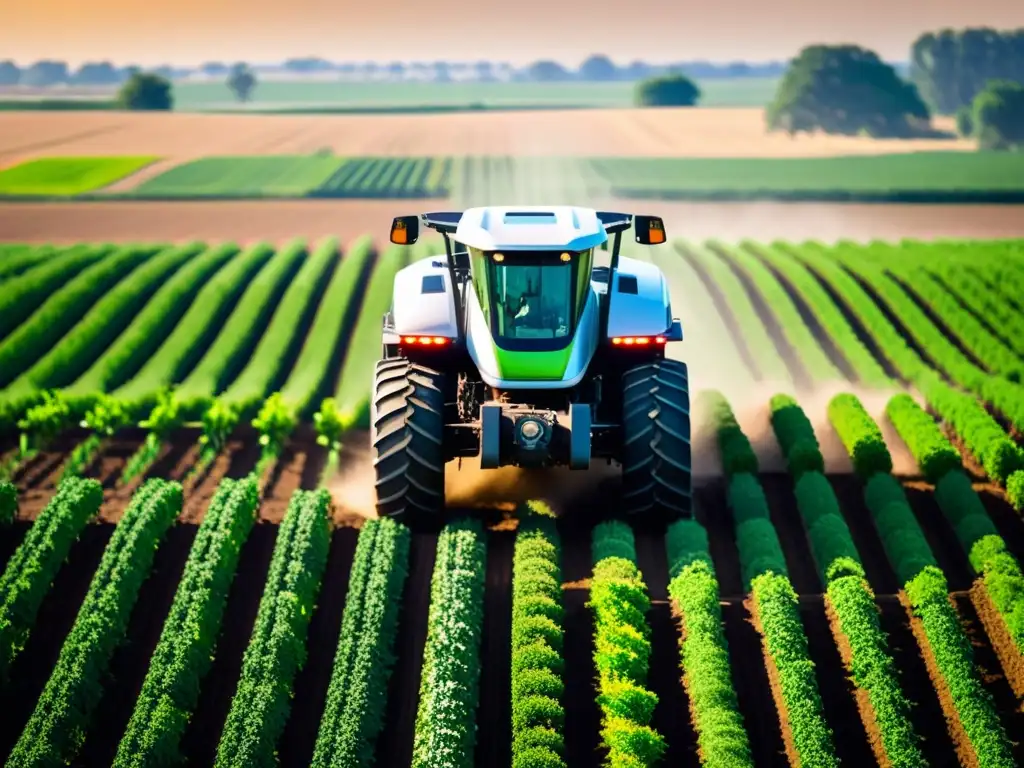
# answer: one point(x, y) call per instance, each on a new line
point(704, 132)
point(248, 221)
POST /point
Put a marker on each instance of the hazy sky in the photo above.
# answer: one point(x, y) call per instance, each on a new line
point(151, 32)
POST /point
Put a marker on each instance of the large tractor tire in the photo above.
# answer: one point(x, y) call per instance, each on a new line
point(407, 432)
point(656, 468)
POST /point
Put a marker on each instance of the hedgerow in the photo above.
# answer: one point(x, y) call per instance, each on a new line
point(354, 712)
point(58, 725)
point(537, 630)
point(445, 733)
point(721, 736)
point(277, 648)
point(33, 566)
point(622, 649)
point(186, 647)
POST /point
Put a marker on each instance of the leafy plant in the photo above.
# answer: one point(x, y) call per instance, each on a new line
point(275, 422)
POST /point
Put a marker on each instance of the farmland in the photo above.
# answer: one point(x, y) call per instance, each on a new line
point(849, 590)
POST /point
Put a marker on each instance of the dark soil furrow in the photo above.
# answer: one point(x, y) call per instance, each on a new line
point(712, 512)
point(879, 571)
point(803, 573)
point(494, 734)
point(394, 747)
point(949, 552)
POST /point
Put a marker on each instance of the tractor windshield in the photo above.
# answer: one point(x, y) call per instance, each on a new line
point(532, 299)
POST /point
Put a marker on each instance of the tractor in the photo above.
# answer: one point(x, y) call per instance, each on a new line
point(515, 348)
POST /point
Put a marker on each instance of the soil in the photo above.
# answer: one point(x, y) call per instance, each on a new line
point(1010, 658)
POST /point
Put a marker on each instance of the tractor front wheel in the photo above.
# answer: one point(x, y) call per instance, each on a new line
point(407, 432)
point(656, 472)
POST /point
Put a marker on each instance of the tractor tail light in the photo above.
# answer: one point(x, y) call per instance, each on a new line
point(426, 341)
point(638, 341)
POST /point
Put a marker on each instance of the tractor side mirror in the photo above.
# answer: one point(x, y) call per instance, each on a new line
point(650, 230)
point(405, 230)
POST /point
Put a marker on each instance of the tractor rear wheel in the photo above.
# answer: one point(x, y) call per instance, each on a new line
point(656, 462)
point(407, 433)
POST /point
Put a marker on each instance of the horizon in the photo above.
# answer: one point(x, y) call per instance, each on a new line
point(260, 31)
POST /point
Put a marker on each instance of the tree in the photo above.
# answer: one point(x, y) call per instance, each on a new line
point(951, 67)
point(599, 68)
point(146, 92)
point(97, 73)
point(241, 81)
point(44, 73)
point(484, 71)
point(396, 70)
point(10, 73)
point(847, 90)
point(667, 91)
point(547, 71)
point(998, 116)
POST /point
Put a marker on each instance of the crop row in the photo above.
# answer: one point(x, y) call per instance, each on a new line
point(16, 260)
point(773, 600)
point(8, 502)
point(721, 737)
point(849, 598)
point(445, 734)
point(926, 590)
point(58, 725)
point(354, 712)
point(277, 647)
point(30, 571)
point(956, 498)
point(186, 647)
point(622, 649)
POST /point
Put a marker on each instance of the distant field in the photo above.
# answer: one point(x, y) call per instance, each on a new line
point(67, 175)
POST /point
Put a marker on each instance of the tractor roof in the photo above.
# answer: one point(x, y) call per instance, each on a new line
point(512, 228)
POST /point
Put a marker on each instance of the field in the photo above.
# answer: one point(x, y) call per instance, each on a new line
point(848, 590)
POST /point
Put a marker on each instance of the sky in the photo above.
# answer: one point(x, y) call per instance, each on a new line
point(188, 32)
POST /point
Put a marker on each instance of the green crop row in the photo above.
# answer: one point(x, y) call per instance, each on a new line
point(389, 177)
point(185, 650)
point(58, 725)
point(22, 295)
point(32, 567)
point(333, 322)
point(860, 435)
point(277, 647)
point(930, 448)
point(64, 308)
point(765, 575)
point(622, 649)
point(759, 343)
point(847, 592)
point(354, 713)
point(721, 738)
point(151, 325)
point(795, 331)
point(985, 302)
point(103, 322)
point(8, 504)
point(16, 260)
point(445, 734)
point(537, 632)
point(200, 324)
point(736, 452)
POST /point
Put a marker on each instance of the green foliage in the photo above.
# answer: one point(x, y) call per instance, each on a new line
point(354, 713)
point(146, 92)
point(8, 502)
point(67, 176)
point(622, 649)
point(186, 647)
point(845, 89)
point(328, 424)
point(18, 259)
point(445, 733)
point(831, 542)
point(759, 547)
point(242, 81)
point(152, 323)
point(332, 323)
point(45, 421)
point(275, 422)
point(63, 308)
point(778, 612)
point(667, 91)
point(537, 687)
point(932, 451)
point(796, 437)
point(721, 736)
point(905, 545)
point(277, 648)
point(62, 716)
point(965, 122)
point(33, 566)
point(737, 454)
point(1015, 490)
point(219, 421)
point(997, 116)
point(860, 435)
point(951, 649)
